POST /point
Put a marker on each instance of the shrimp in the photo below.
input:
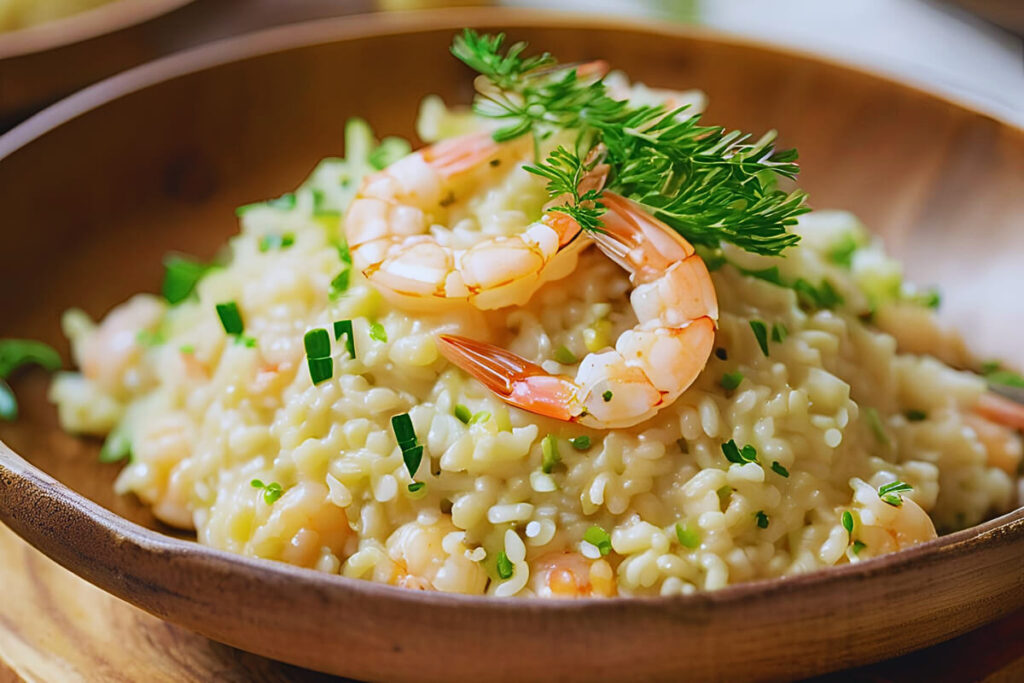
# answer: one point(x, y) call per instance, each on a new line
point(570, 575)
point(386, 224)
point(651, 364)
point(433, 557)
point(306, 517)
point(109, 355)
point(886, 528)
point(996, 421)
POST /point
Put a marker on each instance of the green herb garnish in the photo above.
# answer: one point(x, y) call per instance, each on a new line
point(737, 455)
point(405, 434)
point(505, 567)
point(550, 456)
point(688, 538)
point(779, 333)
point(778, 469)
point(230, 317)
point(116, 447)
point(564, 356)
point(847, 520)
point(580, 443)
point(599, 538)
point(762, 519)
point(181, 275)
point(285, 202)
point(731, 380)
point(378, 333)
point(916, 415)
point(463, 413)
point(875, 422)
point(842, 253)
point(344, 327)
point(857, 546)
point(890, 493)
point(994, 373)
point(271, 491)
point(276, 241)
point(760, 331)
point(318, 355)
point(479, 416)
point(416, 486)
point(708, 184)
point(607, 396)
point(339, 285)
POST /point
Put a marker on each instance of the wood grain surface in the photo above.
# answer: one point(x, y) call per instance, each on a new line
point(54, 626)
point(131, 172)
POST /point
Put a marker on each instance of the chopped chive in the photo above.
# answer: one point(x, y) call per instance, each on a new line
point(842, 253)
point(564, 356)
point(317, 343)
point(463, 413)
point(404, 432)
point(412, 458)
point(688, 538)
point(230, 318)
point(916, 415)
point(17, 353)
point(848, 521)
point(822, 296)
point(505, 567)
point(778, 469)
point(767, 274)
point(276, 241)
point(479, 416)
point(890, 493)
point(607, 396)
point(549, 453)
point(320, 369)
point(731, 380)
point(721, 353)
point(339, 285)
point(599, 538)
point(285, 202)
point(344, 327)
point(390, 150)
point(246, 341)
point(931, 299)
point(117, 446)
point(8, 404)
point(378, 333)
point(343, 252)
point(181, 275)
point(779, 332)
point(761, 333)
point(875, 422)
point(416, 486)
point(737, 455)
point(187, 349)
point(857, 546)
point(762, 519)
point(580, 443)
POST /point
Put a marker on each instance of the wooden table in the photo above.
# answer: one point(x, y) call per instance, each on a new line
point(56, 627)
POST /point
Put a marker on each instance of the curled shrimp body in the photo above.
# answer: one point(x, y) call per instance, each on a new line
point(886, 528)
point(387, 224)
point(570, 575)
point(651, 364)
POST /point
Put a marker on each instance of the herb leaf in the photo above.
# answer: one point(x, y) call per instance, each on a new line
point(760, 331)
point(550, 457)
point(890, 493)
point(737, 455)
point(599, 538)
point(505, 567)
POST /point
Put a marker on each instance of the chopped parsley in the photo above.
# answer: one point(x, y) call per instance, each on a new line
point(271, 491)
point(230, 317)
point(762, 519)
point(564, 356)
point(463, 413)
point(916, 415)
point(760, 331)
point(857, 546)
point(842, 253)
point(276, 241)
point(607, 396)
point(416, 486)
point(550, 457)
point(847, 520)
point(822, 296)
point(580, 443)
point(378, 333)
point(599, 538)
point(339, 285)
point(688, 538)
point(116, 447)
point(181, 275)
point(779, 333)
point(731, 380)
point(778, 469)
point(505, 567)
point(737, 455)
point(890, 493)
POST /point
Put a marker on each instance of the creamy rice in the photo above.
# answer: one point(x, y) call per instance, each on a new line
point(834, 411)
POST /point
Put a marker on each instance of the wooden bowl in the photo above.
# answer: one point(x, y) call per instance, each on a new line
point(97, 188)
point(42, 62)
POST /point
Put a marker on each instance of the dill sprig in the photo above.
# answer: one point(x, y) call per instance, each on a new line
point(709, 184)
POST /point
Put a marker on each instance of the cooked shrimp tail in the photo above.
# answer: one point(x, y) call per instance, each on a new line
point(651, 364)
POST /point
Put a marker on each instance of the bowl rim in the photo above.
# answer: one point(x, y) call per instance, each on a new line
point(323, 31)
point(81, 26)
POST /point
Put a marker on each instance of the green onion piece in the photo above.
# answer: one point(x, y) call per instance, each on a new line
point(848, 521)
point(463, 413)
point(580, 443)
point(931, 299)
point(378, 333)
point(187, 349)
point(505, 567)
point(762, 519)
point(285, 202)
point(339, 285)
point(875, 422)
point(416, 486)
point(778, 469)
point(246, 341)
point(404, 432)
point(17, 353)
point(344, 327)
point(731, 380)
point(598, 537)
point(740, 456)
point(8, 404)
point(857, 546)
point(118, 446)
point(149, 338)
point(564, 356)
point(317, 343)
point(916, 415)
point(842, 253)
point(230, 318)
point(549, 454)
point(779, 332)
point(761, 333)
point(181, 275)
point(343, 252)
point(607, 396)
point(412, 458)
point(275, 241)
point(890, 493)
point(767, 274)
point(320, 369)
point(479, 416)
point(688, 538)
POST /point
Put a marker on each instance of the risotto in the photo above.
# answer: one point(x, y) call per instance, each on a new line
point(291, 402)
